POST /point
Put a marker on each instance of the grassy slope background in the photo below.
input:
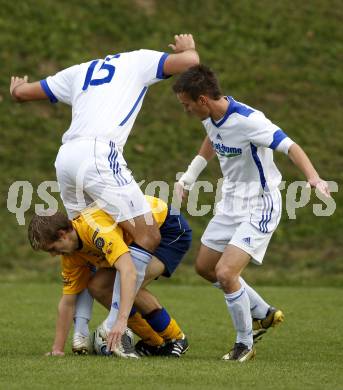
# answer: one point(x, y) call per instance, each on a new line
point(281, 57)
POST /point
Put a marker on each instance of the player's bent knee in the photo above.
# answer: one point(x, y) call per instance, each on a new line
point(225, 275)
point(201, 270)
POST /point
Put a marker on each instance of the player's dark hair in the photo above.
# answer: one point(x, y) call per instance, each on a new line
point(43, 229)
point(198, 80)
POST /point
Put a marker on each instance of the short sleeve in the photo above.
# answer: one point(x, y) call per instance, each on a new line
point(149, 64)
point(76, 273)
point(59, 87)
point(262, 132)
point(111, 244)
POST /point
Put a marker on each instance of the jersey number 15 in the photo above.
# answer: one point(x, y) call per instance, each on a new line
point(89, 80)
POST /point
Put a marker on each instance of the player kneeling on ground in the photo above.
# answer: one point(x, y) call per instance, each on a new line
point(93, 241)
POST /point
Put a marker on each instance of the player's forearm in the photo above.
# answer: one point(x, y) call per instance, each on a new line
point(66, 310)
point(128, 281)
point(24, 91)
point(301, 160)
point(197, 165)
point(190, 58)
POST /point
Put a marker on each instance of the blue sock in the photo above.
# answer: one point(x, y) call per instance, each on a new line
point(158, 319)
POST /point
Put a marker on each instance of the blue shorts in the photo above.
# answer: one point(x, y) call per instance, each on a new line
point(176, 239)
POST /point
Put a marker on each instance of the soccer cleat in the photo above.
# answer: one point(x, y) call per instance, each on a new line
point(144, 349)
point(240, 353)
point(175, 348)
point(81, 344)
point(260, 326)
point(126, 348)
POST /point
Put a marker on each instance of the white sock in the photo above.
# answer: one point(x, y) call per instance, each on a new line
point(141, 260)
point(112, 315)
point(258, 306)
point(217, 285)
point(239, 308)
point(83, 312)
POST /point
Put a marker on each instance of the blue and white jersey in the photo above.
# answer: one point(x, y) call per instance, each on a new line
point(244, 140)
point(106, 94)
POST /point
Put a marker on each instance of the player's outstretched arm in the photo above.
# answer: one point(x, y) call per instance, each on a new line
point(66, 310)
point(22, 91)
point(185, 55)
point(128, 278)
point(301, 160)
point(198, 164)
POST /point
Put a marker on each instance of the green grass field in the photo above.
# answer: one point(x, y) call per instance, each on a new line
point(303, 353)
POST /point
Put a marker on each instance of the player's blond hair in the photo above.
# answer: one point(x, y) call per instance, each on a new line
point(43, 229)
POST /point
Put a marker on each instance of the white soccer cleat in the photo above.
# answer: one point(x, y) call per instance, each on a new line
point(81, 344)
point(126, 347)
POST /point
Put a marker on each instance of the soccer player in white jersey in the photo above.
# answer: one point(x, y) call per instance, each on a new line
point(106, 96)
point(243, 140)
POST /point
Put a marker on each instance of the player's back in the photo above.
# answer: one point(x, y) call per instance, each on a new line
point(106, 94)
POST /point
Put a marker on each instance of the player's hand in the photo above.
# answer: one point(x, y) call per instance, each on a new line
point(55, 353)
point(183, 42)
point(180, 191)
point(115, 334)
point(321, 185)
point(15, 83)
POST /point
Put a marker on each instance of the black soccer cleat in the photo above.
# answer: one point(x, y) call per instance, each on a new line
point(144, 349)
point(240, 353)
point(175, 348)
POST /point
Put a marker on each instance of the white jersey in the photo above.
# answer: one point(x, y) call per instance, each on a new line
point(244, 140)
point(106, 95)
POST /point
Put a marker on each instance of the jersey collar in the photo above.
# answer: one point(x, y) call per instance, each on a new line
point(228, 112)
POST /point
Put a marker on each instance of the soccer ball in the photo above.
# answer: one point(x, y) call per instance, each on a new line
point(100, 342)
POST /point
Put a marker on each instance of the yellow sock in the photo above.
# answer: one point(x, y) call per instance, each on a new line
point(142, 329)
point(172, 331)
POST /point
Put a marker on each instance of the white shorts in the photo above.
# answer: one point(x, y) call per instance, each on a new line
point(89, 170)
point(251, 233)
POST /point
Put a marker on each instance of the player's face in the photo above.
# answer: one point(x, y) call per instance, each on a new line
point(198, 108)
point(63, 246)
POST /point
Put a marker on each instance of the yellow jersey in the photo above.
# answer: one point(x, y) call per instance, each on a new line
point(103, 242)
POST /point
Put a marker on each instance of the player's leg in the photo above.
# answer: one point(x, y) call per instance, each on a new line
point(206, 262)
point(222, 264)
point(72, 162)
point(144, 230)
point(159, 332)
point(263, 314)
point(120, 196)
point(101, 288)
point(172, 339)
point(83, 313)
point(228, 270)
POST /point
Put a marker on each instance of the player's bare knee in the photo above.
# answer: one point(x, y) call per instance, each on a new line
point(226, 276)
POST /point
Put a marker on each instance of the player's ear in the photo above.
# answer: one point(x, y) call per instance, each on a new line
point(62, 234)
point(202, 99)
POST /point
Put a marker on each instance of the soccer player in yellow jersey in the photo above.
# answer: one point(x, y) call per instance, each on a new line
point(93, 240)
